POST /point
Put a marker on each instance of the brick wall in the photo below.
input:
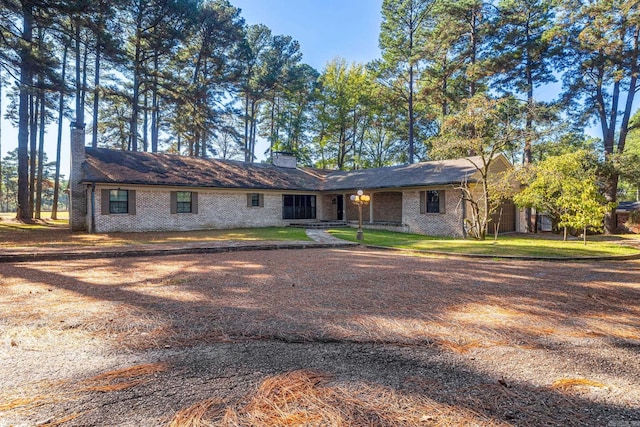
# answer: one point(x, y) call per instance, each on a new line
point(387, 207)
point(216, 209)
point(351, 210)
point(78, 196)
point(440, 224)
point(327, 208)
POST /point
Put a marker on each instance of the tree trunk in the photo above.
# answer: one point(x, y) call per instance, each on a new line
point(610, 194)
point(133, 124)
point(79, 108)
point(56, 183)
point(96, 86)
point(1, 192)
point(527, 157)
point(33, 150)
point(40, 157)
point(474, 49)
point(23, 213)
point(145, 122)
point(246, 126)
point(155, 109)
point(411, 119)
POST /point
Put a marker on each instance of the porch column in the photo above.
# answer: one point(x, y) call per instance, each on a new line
point(371, 209)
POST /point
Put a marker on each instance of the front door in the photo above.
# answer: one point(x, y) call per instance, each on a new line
point(340, 207)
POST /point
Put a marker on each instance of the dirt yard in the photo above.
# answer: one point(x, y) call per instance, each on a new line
point(335, 337)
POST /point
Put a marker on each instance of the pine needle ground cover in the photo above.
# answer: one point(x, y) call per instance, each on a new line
point(335, 337)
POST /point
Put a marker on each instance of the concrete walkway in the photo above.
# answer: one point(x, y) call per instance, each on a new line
point(322, 236)
point(320, 239)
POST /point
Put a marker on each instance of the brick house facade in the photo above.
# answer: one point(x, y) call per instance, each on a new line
point(119, 191)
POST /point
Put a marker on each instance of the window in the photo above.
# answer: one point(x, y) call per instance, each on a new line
point(255, 200)
point(432, 201)
point(298, 206)
point(118, 201)
point(183, 202)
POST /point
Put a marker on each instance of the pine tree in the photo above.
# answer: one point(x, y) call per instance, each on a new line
point(602, 62)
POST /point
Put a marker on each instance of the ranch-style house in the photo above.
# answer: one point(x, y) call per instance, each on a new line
point(124, 191)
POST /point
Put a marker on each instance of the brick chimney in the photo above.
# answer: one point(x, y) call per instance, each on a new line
point(78, 194)
point(284, 159)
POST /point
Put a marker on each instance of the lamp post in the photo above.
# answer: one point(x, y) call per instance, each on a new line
point(360, 199)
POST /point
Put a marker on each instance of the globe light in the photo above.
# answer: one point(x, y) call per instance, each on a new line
point(359, 199)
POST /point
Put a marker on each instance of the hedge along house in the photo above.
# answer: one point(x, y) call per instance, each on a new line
point(123, 191)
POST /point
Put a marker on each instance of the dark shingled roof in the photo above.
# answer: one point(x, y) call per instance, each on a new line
point(628, 206)
point(129, 167)
point(418, 174)
point(139, 168)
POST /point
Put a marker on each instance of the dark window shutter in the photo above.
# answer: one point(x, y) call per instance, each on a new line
point(104, 202)
point(194, 203)
point(423, 202)
point(131, 199)
point(261, 200)
point(248, 200)
point(173, 202)
point(441, 200)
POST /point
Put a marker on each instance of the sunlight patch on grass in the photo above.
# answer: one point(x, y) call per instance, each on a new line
point(507, 245)
point(15, 235)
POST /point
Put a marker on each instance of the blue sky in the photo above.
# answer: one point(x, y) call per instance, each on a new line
point(326, 29)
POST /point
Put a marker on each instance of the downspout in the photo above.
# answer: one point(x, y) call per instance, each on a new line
point(93, 207)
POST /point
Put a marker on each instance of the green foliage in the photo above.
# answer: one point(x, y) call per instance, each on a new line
point(484, 128)
point(628, 163)
point(567, 188)
point(403, 32)
point(10, 184)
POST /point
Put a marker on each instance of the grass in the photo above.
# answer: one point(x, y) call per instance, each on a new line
point(8, 222)
point(510, 245)
point(49, 233)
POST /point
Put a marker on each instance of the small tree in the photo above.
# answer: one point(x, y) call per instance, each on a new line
point(584, 206)
point(566, 188)
point(483, 129)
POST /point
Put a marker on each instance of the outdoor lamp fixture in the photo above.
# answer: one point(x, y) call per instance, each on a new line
point(360, 199)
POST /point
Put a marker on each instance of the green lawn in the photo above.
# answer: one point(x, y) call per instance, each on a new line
point(510, 245)
point(56, 233)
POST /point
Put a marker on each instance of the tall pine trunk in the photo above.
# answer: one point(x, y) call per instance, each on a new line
point(1, 192)
point(145, 121)
point(26, 76)
point(40, 173)
point(56, 183)
point(33, 150)
point(79, 103)
point(137, 70)
point(155, 109)
point(96, 86)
